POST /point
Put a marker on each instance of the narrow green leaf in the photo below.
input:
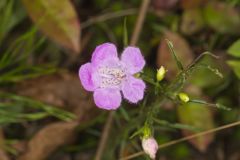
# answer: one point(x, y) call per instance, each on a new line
point(124, 113)
point(221, 106)
point(214, 70)
point(176, 125)
point(20, 45)
point(139, 131)
point(179, 64)
point(200, 57)
point(34, 116)
point(218, 105)
point(28, 102)
point(125, 33)
point(10, 149)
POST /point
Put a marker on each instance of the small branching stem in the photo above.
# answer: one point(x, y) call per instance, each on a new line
point(200, 57)
point(237, 123)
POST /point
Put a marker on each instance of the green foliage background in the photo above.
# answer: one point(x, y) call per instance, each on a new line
point(26, 53)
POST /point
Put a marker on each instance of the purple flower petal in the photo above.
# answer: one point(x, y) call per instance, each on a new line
point(111, 63)
point(133, 89)
point(106, 76)
point(107, 98)
point(85, 75)
point(99, 74)
point(133, 59)
point(104, 51)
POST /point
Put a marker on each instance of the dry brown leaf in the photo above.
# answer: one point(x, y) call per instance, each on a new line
point(58, 20)
point(199, 116)
point(49, 139)
point(183, 51)
point(62, 89)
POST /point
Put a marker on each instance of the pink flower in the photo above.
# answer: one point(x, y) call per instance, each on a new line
point(150, 147)
point(107, 76)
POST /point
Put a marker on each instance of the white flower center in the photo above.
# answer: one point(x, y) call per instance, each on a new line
point(111, 76)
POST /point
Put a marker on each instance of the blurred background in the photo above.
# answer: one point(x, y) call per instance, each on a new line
point(45, 114)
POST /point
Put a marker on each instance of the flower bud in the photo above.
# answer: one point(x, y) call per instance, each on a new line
point(137, 75)
point(150, 146)
point(146, 131)
point(183, 97)
point(161, 73)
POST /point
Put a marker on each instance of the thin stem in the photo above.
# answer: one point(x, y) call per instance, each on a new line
point(200, 57)
point(135, 36)
point(108, 16)
point(118, 14)
point(140, 20)
point(185, 139)
point(104, 136)
point(157, 85)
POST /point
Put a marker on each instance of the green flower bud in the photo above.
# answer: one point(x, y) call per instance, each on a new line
point(137, 75)
point(161, 73)
point(183, 97)
point(146, 131)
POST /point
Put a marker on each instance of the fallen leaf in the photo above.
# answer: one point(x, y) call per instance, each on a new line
point(48, 139)
point(198, 116)
point(58, 20)
point(62, 90)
